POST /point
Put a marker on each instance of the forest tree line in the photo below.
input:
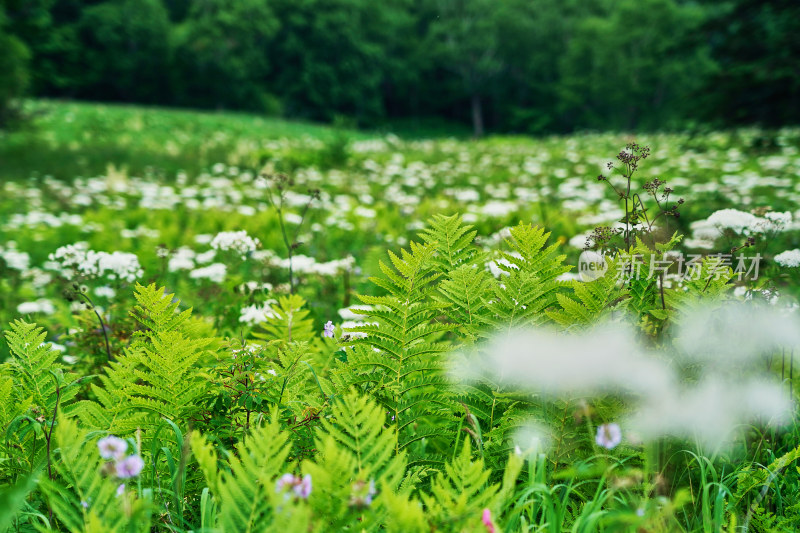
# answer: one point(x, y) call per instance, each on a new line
point(526, 66)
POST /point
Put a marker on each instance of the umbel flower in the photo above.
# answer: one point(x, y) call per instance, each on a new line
point(291, 485)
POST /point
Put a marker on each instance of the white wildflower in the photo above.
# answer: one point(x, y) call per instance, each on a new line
point(119, 266)
point(214, 272)
point(236, 241)
point(182, 259)
point(105, 292)
point(256, 314)
point(43, 306)
point(734, 220)
point(789, 258)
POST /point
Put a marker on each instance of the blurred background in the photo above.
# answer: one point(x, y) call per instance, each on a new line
point(505, 66)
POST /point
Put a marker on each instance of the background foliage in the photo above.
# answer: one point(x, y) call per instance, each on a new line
point(509, 65)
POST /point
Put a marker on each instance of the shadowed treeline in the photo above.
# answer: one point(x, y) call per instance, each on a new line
point(499, 65)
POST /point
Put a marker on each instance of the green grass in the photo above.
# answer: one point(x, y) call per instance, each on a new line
point(69, 139)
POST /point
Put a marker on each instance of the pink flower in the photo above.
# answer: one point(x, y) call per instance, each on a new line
point(129, 467)
point(487, 521)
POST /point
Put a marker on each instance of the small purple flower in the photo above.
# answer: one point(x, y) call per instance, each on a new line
point(112, 447)
point(129, 467)
point(290, 484)
point(328, 330)
point(84, 504)
point(608, 435)
point(121, 490)
point(303, 490)
point(361, 493)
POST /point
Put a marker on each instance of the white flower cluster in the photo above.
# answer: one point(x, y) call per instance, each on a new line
point(77, 259)
point(182, 259)
point(121, 266)
point(256, 314)
point(43, 306)
point(303, 264)
point(214, 272)
point(744, 223)
point(14, 259)
point(236, 241)
point(733, 219)
point(789, 258)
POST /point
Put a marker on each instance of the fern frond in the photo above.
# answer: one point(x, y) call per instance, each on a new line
point(32, 361)
point(247, 496)
point(289, 321)
point(592, 300)
point(465, 291)
point(707, 284)
point(452, 240)
point(83, 498)
point(157, 375)
point(403, 331)
point(529, 286)
point(357, 456)
point(459, 494)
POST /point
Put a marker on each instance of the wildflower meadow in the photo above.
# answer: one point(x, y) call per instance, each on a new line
point(223, 323)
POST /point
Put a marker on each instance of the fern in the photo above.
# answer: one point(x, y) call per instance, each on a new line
point(459, 494)
point(83, 498)
point(33, 388)
point(247, 496)
point(406, 357)
point(529, 286)
point(30, 367)
point(464, 286)
point(451, 240)
point(289, 321)
point(708, 284)
point(157, 375)
point(592, 301)
point(356, 454)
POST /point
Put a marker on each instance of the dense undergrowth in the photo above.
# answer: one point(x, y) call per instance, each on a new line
point(360, 429)
point(208, 358)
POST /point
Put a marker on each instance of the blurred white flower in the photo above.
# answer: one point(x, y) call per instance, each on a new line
point(789, 258)
point(214, 272)
point(238, 242)
point(43, 306)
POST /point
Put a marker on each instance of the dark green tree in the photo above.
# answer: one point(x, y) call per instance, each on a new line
point(221, 54)
point(756, 44)
point(126, 52)
point(337, 55)
point(465, 42)
point(629, 65)
point(14, 67)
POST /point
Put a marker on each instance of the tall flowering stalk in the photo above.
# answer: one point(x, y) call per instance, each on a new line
point(281, 183)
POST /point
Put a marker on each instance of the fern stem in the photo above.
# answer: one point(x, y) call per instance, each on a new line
point(48, 439)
